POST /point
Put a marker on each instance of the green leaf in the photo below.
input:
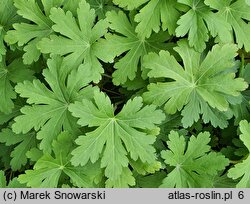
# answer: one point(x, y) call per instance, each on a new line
point(2, 180)
point(10, 74)
point(124, 180)
point(2, 46)
point(49, 4)
point(4, 118)
point(198, 21)
point(235, 13)
point(101, 7)
point(8, 16)
point(115, 136)
point(241, 170)
point(130, 4)
point(23, 143)
point(157, 14)
point(77, 39)
point(223, 182)
point(201, 87)
point(193, 165)
point(241, 111)
point(84, 85)
point(48, 110)
point(151, 181)
point(28, 35)
point(49, 168)
point(34, 154)
point(127, 42)
point(12, 183)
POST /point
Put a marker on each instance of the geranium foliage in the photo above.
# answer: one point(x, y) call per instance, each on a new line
point(124, 93)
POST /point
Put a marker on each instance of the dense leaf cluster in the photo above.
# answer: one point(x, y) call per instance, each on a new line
point(124, 93)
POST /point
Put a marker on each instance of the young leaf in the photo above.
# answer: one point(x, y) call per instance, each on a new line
point(202, 87)
point(28, 35)
point(241, 170)
point(198, 21)
point(48, 113)
point(77, 38)
point(49, 168)
point(235, 13)
point(115, 136)
point(127, 41)
point(194, 165)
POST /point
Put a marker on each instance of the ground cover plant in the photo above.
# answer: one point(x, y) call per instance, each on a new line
point(124, 93)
